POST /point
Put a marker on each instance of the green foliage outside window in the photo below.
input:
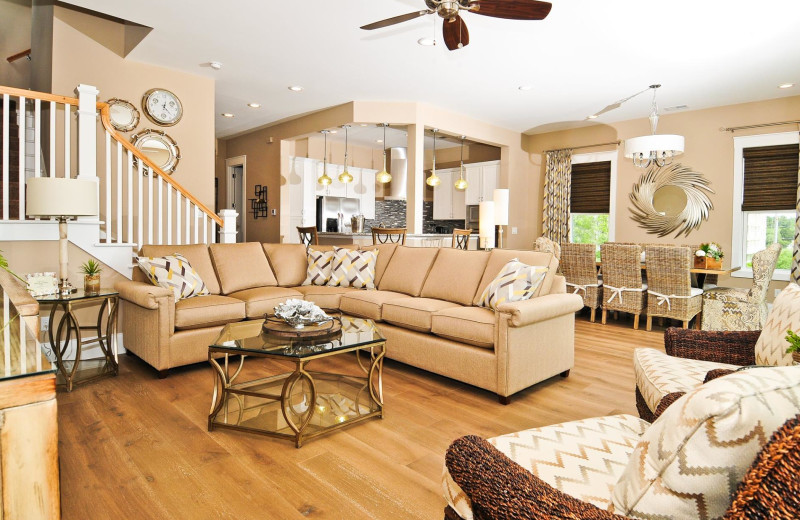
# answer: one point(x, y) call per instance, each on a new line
point(590, 229)
point(784, 235)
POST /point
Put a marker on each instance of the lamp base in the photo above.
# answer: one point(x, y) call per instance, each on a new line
point(65, 288)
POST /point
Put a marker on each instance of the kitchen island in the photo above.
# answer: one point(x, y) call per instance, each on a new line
point(418, 240)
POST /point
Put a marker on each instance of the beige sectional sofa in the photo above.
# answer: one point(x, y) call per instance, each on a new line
point(425, 305)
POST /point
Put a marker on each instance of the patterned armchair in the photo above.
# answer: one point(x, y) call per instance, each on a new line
point(717, 451)
point(545, 245)
point(728, 308)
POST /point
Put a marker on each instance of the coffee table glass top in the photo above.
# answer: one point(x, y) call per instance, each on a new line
point(249, 336)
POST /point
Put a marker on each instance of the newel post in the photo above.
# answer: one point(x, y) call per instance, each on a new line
point(227, 234)
point(87, 131)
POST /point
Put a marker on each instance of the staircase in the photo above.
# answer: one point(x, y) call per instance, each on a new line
point(138, 202)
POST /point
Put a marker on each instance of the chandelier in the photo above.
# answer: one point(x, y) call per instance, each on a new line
point(653, 149)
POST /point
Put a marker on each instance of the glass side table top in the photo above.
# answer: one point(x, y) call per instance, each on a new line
point(250, 337)
point(79, 295)
point(21, 354)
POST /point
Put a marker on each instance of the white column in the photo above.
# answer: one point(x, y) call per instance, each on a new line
point(87, 131)
point(415, 191)
point(228, 232)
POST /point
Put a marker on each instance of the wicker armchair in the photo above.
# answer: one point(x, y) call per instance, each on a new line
point(579, 268)
point(545, 245)
point(623, 289)
point(669, 285)
point(728, 308)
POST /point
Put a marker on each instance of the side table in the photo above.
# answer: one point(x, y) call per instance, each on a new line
point(69, 373)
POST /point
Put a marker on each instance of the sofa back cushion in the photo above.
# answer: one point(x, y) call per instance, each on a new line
point(289, 263)
point(689, 462)
point(196, 254)
point(408, 269)
point(455, 275)
point(785, 315)
point(498, 258)
point(242, 266)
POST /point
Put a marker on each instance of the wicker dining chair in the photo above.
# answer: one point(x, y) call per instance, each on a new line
point(461, 238)
point(623, 289)
point(669, 284)
point(579, 267)
point(308, 235)
point(388, 235)
point(545, 245)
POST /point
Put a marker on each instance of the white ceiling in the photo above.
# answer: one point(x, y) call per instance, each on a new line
point(585, 55)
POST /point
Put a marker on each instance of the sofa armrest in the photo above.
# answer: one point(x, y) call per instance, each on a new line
point(732, 347)
point(540, 309)
point(559, 285)
point(499, 488)
point(144, 295)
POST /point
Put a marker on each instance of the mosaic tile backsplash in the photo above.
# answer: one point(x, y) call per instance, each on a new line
point(392, 213)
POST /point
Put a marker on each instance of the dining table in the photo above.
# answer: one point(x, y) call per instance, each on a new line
point(700, 273)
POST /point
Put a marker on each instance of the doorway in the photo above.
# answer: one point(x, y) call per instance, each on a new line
point(236, 168)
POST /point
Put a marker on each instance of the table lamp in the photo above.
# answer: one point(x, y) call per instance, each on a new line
point(500, 212)
point(486, 224)
point(63, 199)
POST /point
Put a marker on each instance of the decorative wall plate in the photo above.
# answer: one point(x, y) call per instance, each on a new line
point(158, 147)
point(670, 198)
point(162, 107)
point(122, 114)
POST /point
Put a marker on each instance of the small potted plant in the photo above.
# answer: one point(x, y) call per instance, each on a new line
point(709, 256)
point(91, 276)
point(794, 346)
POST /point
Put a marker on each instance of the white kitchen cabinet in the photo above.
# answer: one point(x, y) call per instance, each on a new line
point(364, 187)
point(483, 179)
point(302, 199)
point(448, 202)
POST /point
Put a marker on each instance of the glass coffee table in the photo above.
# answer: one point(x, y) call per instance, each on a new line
point(304, 403)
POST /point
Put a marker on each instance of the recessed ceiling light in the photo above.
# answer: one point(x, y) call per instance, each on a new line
point(426, 42)
point(525, 87)
point(786, 85)
point(295, 88)
point(215, 65)
point(254, 105)
point(227, 114)
point(364, 124)
point(378, 140)
point(331, 131)
point(593, 116)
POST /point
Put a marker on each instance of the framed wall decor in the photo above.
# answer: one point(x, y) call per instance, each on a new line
point(42, 284)
point(122, 114)
point(158, 147)
point(162, 107)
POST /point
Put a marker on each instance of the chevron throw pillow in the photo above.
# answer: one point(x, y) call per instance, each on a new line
point(515, 282)
point(785, 315)
point(320, 264)
point(173, 272)
point(352, 268)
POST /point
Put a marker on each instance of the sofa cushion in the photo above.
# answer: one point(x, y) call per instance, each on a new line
point(386, 251)
point(498, 258)
point(514, 283)
point(472, 325)
point(208, 311)
point(408, 269)
point(261, 300)
point(455, 275)
point(414, 313)
point(353, 268)
point(318, 267)
point(288, 262)
point(196, 254)
point(367, 304)
point(324, 296)
point(173, 272)
point(785, 315)
point(689, 462)
point(241, 266)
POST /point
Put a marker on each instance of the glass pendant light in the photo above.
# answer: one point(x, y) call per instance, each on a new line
point(345, 176)
point(461, 183)
point(434, 179)
point(324, 179)
point(383, 176)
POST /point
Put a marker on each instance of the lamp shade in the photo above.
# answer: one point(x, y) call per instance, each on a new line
point(59, 197)
point(659, 143)
point(486, 223)
point(501, 207)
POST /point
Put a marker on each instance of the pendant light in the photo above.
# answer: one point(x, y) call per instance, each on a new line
point(461, 183)
point(383, 176)
point(345, 176)
point(324, 179)
point(658, 149)
point(434, 179)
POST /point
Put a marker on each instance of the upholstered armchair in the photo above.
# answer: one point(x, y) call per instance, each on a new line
point(545, 245)
point(728, 308)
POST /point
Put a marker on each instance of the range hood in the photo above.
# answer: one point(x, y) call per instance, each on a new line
point(399, 171)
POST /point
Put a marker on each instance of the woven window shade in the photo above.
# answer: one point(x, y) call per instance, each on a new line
point(770, 178)
point(591, 187)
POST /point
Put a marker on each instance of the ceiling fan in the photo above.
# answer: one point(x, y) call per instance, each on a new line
point(455, 30)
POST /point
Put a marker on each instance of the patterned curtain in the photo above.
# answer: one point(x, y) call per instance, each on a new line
point(557, 187)
point(795, 273)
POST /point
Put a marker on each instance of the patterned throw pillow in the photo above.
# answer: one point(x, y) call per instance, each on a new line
point(352, 268)
point(689, 462)
point(320, 264)
point(173, 272)
point(515, 282)
point(785, 315)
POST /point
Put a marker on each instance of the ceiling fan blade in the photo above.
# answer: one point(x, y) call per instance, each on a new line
point(617, 104)
point(395, 20)
point(455, 33)
point(512, 9)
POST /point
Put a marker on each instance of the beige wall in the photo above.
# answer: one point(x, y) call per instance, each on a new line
point(708, 151)
point(15, 37)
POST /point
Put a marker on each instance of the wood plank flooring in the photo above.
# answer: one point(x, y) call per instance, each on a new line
point(137, 447)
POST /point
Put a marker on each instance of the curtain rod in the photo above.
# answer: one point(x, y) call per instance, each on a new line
point(616, 143)
point(762, 125)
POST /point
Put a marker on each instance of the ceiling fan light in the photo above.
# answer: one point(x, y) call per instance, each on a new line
point(461, 184)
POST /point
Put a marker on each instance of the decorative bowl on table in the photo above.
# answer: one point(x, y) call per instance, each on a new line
point(299, 313)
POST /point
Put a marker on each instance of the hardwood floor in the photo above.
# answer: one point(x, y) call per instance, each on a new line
point(137, 447)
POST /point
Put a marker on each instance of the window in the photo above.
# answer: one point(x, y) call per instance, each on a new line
point(592, 200)
point(765, 191)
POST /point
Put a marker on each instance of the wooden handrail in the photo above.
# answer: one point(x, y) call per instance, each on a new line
point(32, 94)
point(19, 56)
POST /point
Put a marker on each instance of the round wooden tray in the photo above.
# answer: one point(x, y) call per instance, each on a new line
point(277, 327)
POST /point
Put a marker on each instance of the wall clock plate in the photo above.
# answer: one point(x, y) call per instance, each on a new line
point(162, 107)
